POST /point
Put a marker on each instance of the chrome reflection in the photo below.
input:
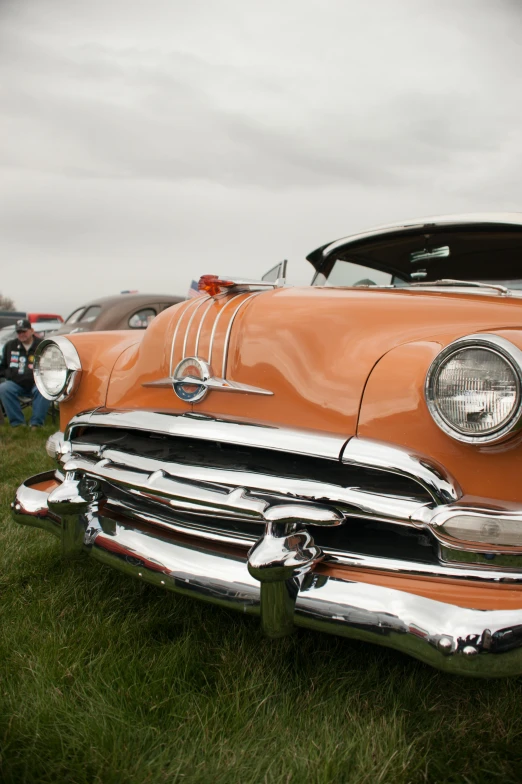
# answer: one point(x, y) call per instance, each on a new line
point(431, 475)
point(183, 310)
point(229, 331)
point(354, 451)
point(485, 643)
point(195, 488)
point(278, 560)
point(510, 354)
point(73, 368)
point(54, 444)
point(218, 319)
point(207, 428)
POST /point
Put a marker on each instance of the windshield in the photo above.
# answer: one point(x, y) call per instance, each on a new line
point(490, 257)
point(75, 315)
point(346, 273)
point(91, 314)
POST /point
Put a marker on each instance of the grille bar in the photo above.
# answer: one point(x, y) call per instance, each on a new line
point(203, 489)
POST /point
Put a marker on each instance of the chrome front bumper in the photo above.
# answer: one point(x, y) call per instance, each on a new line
point(282, 579)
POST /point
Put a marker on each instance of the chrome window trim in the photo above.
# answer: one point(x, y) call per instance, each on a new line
point(72, 363)
point(488, 342)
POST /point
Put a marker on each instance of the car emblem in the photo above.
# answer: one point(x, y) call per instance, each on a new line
point(191, 379)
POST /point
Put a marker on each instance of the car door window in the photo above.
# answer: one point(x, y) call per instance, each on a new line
point(91, 314)
point(142, 318)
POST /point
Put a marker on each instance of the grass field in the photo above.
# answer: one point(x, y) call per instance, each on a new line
point(104, 679)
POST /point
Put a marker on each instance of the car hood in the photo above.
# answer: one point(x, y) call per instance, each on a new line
point(313, 349)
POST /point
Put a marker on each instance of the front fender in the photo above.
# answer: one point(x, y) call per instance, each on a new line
point(98, 352)
point(394, 410)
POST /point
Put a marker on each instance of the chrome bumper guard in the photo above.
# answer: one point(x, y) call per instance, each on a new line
point(279, 578)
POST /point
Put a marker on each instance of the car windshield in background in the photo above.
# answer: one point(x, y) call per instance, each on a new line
point(75, 316)
point(91, 314)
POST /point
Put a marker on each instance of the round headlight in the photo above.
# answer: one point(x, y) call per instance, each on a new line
point(57, 368)
point(473, 389)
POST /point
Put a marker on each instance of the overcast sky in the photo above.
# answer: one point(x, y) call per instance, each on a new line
point(146, 143)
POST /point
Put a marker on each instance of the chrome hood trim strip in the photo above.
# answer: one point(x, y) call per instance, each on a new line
point(185, 308)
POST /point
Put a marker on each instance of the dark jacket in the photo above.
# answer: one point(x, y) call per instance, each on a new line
point(17, 363)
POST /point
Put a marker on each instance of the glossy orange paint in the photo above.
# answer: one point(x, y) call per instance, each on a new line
point(46, 486)
point(344, 361)
point(314, 348)
point(154, 360)
point(98, 352)
point(394, 410)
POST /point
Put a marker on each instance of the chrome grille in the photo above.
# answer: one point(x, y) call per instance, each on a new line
point(216, 490)
point(240, 458)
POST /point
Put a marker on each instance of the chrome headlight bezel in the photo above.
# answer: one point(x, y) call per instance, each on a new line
point(506, 351)
point(72, 364)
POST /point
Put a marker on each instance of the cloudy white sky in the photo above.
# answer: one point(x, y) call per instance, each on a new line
point(146, 143)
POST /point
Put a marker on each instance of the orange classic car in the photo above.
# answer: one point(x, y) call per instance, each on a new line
point(344, 457)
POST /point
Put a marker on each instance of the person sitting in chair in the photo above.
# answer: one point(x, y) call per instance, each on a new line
point(17, 366)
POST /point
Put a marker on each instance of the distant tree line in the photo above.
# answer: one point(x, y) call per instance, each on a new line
point(6, 303)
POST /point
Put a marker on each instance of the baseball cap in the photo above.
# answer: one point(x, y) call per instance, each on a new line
point(22, 325)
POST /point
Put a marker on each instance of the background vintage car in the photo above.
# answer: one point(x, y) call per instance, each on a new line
point(123, 311)
point(342, 457)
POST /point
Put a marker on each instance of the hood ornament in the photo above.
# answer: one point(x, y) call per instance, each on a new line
point(214, 285)
point(193, 379)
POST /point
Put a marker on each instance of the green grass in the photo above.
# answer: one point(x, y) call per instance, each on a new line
point(104, 679)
